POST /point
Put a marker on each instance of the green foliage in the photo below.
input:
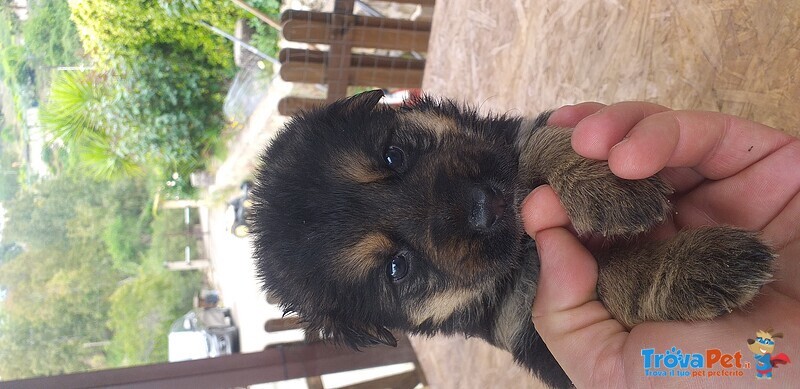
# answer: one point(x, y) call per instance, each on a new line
point(40, 217)
point(50, 36)
point(265, 38)
point(141, 24)
point(15, 70)
point(166, 109)
point(57, 303)
point(16, 67)
point(170, 236)
point(9, 177)
point(11, 55)
point(125, 240)
point(54, 213)
point(9, 250)
point(89, 275)
point(164, 112)
point(142, 311)
point(154, 102)
point(269, 7)
point(128, 233)
point(9, 184)
point(71, 111)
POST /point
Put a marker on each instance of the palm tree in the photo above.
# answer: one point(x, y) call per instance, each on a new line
point(69, 114)
point(74, 115)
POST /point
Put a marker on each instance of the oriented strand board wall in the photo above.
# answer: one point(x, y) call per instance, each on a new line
point(735, 56)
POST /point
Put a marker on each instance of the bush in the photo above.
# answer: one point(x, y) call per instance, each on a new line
point(170, 237)
point(50, 36)
point(265, 38)
point(144, 307)
point(164, 113)
point(123, 238)
point(142, 311)
point(9, 181)
point(140, 24)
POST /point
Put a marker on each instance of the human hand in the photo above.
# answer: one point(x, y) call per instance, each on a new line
point(725, 170)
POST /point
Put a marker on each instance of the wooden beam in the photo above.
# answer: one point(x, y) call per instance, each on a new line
point(337, 70)
point(283, 324)
point(291, 105)
point(299, 65)
point(273, 364)
point(363, 31)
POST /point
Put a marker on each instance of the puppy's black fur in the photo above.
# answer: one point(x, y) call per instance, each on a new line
point(368, 218)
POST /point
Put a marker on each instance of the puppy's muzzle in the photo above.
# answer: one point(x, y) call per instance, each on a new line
point(486, 208)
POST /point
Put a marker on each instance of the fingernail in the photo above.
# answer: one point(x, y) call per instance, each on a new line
point(622, 142)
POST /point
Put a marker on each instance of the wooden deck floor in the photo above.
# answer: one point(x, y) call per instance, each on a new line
point(736, 56)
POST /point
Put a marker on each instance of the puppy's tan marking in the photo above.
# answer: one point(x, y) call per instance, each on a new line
point(437, 124)
point(360, 168)
point(356, 262)
point(442, 305)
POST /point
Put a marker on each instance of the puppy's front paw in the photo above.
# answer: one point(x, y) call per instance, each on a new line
point(718, 269)
point(597, 201)
point(698, 275)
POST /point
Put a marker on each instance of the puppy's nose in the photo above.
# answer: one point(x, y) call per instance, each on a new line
point(487, 206)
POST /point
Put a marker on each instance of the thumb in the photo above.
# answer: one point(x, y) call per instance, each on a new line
point(577, 329)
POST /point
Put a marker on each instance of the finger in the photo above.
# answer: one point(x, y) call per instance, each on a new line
point(713, 144)
point(785, 229)
point(566, 312)
point(567, 315)
point(652, 148)
point(570, 115)
point(788, 271)
point(751, 199)
point(542, 209)
point(681, 179)
point(568, 273)
point(597, 133)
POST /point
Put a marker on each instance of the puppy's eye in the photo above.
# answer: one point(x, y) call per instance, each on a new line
point(395, 159)
point(397, 268)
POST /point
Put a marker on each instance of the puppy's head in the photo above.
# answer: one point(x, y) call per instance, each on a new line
point(368, 217)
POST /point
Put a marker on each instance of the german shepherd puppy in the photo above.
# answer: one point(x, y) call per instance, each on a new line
point(368, 218)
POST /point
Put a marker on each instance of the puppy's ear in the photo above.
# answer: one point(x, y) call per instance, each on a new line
point(354, 335)
point(360, 103)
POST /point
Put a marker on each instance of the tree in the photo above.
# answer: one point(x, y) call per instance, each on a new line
point(57, 291)
point(9, 183)
point(50, 36)
point(164, 112)
point(57, 302)
point(9, 251)
point(140, 24)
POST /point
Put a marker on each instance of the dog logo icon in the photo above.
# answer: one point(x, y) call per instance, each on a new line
point(762, 348)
